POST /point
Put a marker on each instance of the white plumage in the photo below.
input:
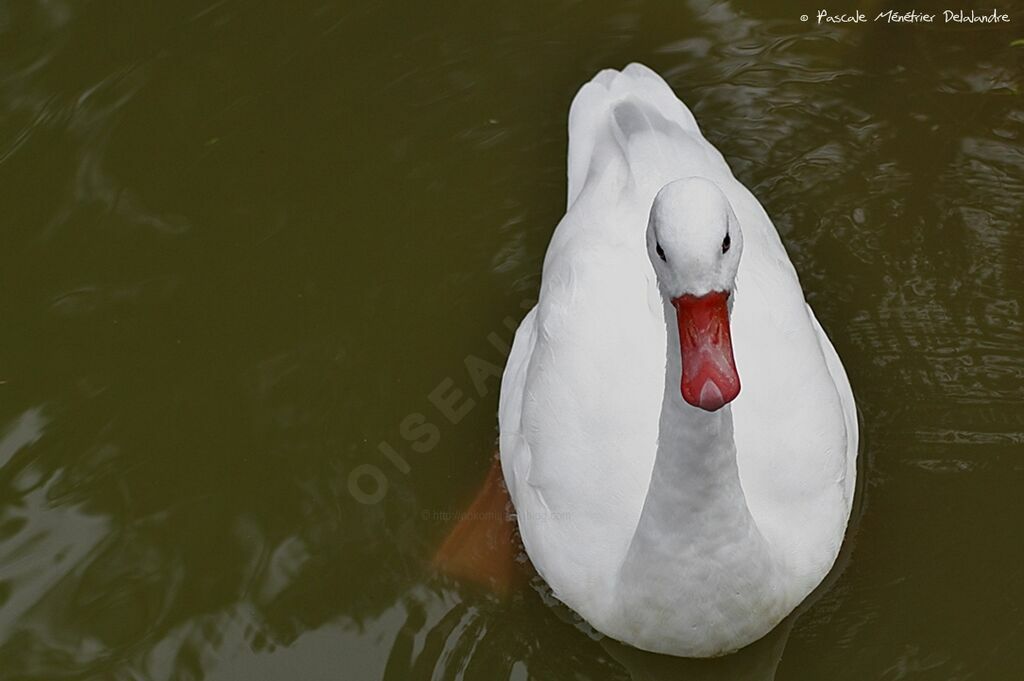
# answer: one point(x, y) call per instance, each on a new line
point(680, 557)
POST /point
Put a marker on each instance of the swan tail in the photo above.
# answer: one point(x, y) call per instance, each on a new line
point(614, 105)
point(482, 547)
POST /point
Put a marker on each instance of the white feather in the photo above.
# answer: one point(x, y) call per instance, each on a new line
point(583, 389)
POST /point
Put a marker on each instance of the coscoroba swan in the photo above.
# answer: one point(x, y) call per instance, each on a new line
point(677, 433)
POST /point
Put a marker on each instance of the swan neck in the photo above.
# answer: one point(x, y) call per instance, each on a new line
point(695, 519)
point(695, 466)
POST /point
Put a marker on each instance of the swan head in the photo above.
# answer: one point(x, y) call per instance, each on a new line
point(694, 242)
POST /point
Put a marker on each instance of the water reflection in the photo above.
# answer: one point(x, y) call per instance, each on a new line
point(44, 548)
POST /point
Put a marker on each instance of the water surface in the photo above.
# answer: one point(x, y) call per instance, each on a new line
point(244, 243)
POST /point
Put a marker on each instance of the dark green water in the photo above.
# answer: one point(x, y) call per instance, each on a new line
point(243, 243)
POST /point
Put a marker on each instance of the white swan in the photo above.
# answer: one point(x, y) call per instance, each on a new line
point(671, 508)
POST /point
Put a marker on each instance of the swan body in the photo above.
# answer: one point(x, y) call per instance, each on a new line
point(690, 526)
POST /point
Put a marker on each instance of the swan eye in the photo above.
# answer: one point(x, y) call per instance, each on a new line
point(661, 253)
point(726, 242)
